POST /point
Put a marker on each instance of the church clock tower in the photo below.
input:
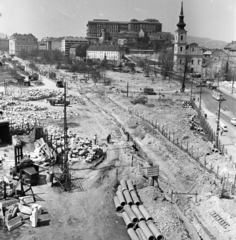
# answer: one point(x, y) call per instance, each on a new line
point(180, 42)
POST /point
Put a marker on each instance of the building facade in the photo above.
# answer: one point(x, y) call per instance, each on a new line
point(110, 52)
point(56, 44)
point(94, 28)
point(189, 55)
point(67, 42)
point(4, 44)
point(19, 42)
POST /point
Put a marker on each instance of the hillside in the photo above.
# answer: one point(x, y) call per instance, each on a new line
point(207, 42)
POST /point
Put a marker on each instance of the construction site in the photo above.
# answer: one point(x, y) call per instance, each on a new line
point(110, 162)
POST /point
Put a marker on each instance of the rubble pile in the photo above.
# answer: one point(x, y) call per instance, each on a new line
point(195, 124)
point(39, 94)
point(79, 149)
point(187, 104)
point(24, 107)
point(14, 212)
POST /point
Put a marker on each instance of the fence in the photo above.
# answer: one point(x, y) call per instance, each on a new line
point(227, 186)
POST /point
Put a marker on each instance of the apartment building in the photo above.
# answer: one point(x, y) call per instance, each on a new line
point(110, 52)
point(94, 28)
point(19, 42)
point(67, 42)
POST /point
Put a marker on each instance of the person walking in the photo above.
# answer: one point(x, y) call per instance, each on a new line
point(95, 139)
point(108, 138)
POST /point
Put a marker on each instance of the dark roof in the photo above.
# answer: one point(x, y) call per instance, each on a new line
point(160, 35)
point(231, 46)
point(75, 45)
point(104, 48)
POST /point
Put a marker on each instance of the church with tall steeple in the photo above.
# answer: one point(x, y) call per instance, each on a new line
point(183, 51)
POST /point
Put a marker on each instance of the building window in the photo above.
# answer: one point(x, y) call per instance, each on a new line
point(192, 61)
point(181, 38)
point(192, 49)
point(180, 61)
point(181, 49)
point(199, 62)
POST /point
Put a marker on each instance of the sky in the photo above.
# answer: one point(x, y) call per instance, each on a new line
point(213, 19)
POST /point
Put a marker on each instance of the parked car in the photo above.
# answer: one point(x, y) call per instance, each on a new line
point(233, 121)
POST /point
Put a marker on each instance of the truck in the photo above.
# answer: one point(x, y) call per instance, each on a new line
point(148, 91)
point(60, 100)
point(59, 84)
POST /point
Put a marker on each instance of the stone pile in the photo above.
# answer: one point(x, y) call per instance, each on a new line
point(39, 94)
point(79, 149)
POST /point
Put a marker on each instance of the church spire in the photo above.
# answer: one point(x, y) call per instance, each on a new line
point(181, 23)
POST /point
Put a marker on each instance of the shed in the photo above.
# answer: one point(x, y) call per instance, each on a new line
point(4, 132)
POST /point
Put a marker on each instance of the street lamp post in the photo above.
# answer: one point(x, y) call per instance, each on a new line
point(200, 99)
point(232, 89)
point(218, 123)
point(218, 79)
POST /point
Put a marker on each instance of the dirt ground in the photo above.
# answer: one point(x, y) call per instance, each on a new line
point(89, 213)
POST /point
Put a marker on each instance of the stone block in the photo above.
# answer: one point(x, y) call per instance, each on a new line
point(14, 223)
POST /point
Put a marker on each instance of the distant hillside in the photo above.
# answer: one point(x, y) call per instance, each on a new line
point(207, 42)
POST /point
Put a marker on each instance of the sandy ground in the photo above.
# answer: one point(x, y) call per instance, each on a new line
point(90, 213)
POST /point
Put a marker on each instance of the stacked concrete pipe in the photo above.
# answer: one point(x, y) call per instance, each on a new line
point(147, 232)
point(120, 198)
point(128, 197)
point(117, 204)
point(137, 213)
point(145, 213)
point(123, 185)
point(140, 234)
point(135, 197)
point(127, 220)
point(154, 230)
point(133, 234)
point(131, 214)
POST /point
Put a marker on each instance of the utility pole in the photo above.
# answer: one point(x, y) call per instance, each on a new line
point(65, 164)
point(127, 89)
point(232, 90)
point(200, 99)
point(218, 122)
point(218, 79)
point(191, 93)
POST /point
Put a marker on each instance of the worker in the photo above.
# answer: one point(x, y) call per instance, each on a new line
point(108, 138)
point(221, 131)
point(205, 116)
point(95, 139)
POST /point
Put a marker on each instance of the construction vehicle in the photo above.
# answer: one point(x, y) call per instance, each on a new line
point(59, 84)
point(139, 100)
point(60, 100)
point(148, 91)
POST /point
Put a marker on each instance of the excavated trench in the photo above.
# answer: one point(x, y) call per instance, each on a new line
point(192, 222)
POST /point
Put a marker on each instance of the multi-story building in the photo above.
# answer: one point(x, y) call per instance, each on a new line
point(42, 46)
point(4, 44)
point(56, 43)
point(110, 52)
point(184, 53)
point(94, 28)
point(67, 42)
point(19, 42)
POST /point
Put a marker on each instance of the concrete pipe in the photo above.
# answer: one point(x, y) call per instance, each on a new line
point(135, 197)
point(117, 204)
point(145, 213)
point(130, 185)
point(147, 232)
point(154, 230)
point(140, 234)
point(121, 198)
point(137, 213)
point(132, 234)
point(119, 188)
point(130, 213)
point(128, 197)
point(127, 220)
point(123, 185)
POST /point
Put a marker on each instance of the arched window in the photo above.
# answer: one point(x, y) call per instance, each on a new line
point(192, 61)
point(181, 37)
point(181, 49)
